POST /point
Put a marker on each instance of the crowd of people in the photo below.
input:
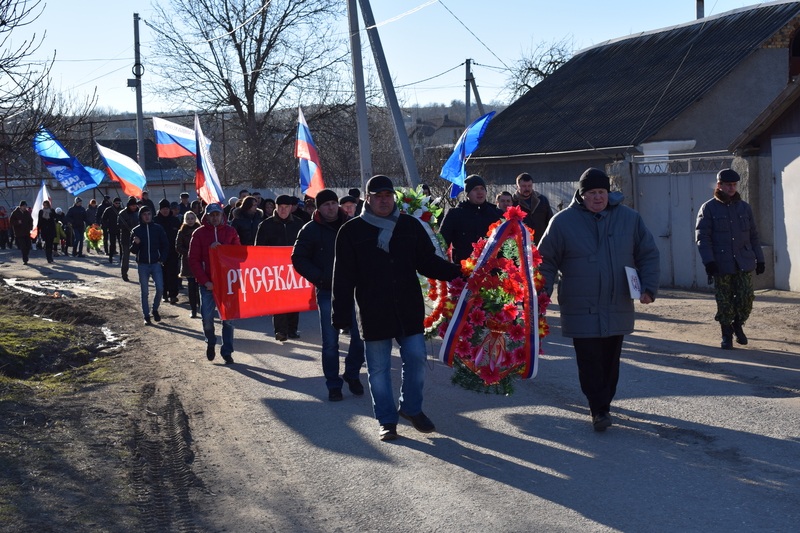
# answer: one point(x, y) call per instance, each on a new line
point(363, 258)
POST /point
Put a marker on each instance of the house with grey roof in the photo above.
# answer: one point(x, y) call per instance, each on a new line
point(658, 110)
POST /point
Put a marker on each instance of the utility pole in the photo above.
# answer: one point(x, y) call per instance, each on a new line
point(406, 155)
point(466, 97)
point(471, 83)
point(138, 70)
point(362, 123)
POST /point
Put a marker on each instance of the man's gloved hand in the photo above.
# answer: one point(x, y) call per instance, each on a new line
point(711, 268)
point(760, 267)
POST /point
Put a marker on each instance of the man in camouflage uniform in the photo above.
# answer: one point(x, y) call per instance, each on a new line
point(727, 239)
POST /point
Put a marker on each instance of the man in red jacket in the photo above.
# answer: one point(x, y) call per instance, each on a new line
point(214, 232)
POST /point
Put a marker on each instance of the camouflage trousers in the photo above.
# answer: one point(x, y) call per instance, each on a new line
point(734, 294)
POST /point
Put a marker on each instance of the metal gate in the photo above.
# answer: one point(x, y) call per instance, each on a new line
point(670, 193)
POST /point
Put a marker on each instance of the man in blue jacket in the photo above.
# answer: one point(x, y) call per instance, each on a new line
point(313, 257)
point(728, 242)
point(591, 242)
point(150, 244)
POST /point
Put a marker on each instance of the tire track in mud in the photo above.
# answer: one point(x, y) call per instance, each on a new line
point(162, 472)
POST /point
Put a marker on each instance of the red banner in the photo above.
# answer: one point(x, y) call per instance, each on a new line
point(258, 280)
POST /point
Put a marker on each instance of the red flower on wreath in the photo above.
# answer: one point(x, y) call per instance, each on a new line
point(514, 212)
point(477, 316)
point(516, 333)
point(426, 216)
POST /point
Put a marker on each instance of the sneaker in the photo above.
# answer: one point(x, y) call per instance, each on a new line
point(294, 335)
point(335, 394)
point(156, 315)
point(355, 386)
point(420, 422)
point(280, 336)
point(147, 321)
point(210, 352)
point(228, 359)
point(388, 432)
point(601, 421)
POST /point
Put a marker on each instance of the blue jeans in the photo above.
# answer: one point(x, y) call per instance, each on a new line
point(207, 308)
point(146, 270)
point(379, 366)
point(330, 345)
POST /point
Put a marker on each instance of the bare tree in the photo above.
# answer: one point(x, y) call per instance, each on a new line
point(538, 62)
point(257, 60)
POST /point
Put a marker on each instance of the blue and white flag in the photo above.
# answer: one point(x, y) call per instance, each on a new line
point(454, 169)
point(73, 176)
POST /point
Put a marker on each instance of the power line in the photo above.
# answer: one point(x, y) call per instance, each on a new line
point(473, 34)
point(432, 77)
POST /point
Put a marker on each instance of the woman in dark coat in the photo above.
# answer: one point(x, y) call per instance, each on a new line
point(182, 243)
point(246, 220)
point(47, 229)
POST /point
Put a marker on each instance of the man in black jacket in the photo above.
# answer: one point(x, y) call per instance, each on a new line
point(127, 220)
point(281, 229)
point(378, 255)
point(149, 243)
point(110, 225)
point(468, 222)
point(536, 206)
point(76, 216)
point(172, 262)
point(312, 258)
point(101, 209)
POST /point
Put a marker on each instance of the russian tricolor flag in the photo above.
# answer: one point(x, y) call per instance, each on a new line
point(310, 170)
point(174, 140)
point(206, 180)
point(123, 170)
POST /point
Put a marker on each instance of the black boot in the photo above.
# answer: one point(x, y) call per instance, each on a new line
point(738, 332)
point(727, 337)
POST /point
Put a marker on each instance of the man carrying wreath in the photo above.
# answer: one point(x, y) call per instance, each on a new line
point(378, 255)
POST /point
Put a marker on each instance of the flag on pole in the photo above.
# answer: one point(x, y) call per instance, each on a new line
point(73, 176)
point(123, 170)
point(454, 169)
point(43, 195)
point(174, 140)
point(310, 170)
point(206, 180)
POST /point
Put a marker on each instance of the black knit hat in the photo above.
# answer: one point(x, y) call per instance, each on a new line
point(117, 199)
point(326, 195)
point(145, 209)
point(163, 203)
point(132, 201)
point(727, 176)
point(593, 179)
point(472, 182)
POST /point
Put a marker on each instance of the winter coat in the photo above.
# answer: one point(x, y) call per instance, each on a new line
point(537, 213)
point(246, 225)
point(315, 250)
point(592, 250)
point(182, 243)
point(76, 216)
point(47, 226)
point(110, 220)
point(5, 222)
point(101, 210)
point(153, 247)
point(466, 224)
point(171, 225)
point(126, 221)
point(202, 239)
point(726, 233)
point(276, 231)
point(91, 216)
point(22, 222)
point(387, 294)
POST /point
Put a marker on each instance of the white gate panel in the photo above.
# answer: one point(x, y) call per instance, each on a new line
point(786, 210)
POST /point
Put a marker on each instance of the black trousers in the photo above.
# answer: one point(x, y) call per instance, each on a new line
point(172, 280)
point(286, 323)
point(598, 369)
point(110, 242)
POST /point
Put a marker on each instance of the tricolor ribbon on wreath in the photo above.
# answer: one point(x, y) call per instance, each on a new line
point(495, 327)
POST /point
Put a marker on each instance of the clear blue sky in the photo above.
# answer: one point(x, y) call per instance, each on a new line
point(94, 40)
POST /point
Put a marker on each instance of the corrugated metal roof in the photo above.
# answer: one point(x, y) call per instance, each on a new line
point(606, 95)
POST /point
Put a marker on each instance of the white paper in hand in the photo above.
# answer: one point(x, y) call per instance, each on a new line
point(634, 284)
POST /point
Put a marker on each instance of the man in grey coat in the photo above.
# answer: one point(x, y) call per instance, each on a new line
point(728, 242)
point(591, 242)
